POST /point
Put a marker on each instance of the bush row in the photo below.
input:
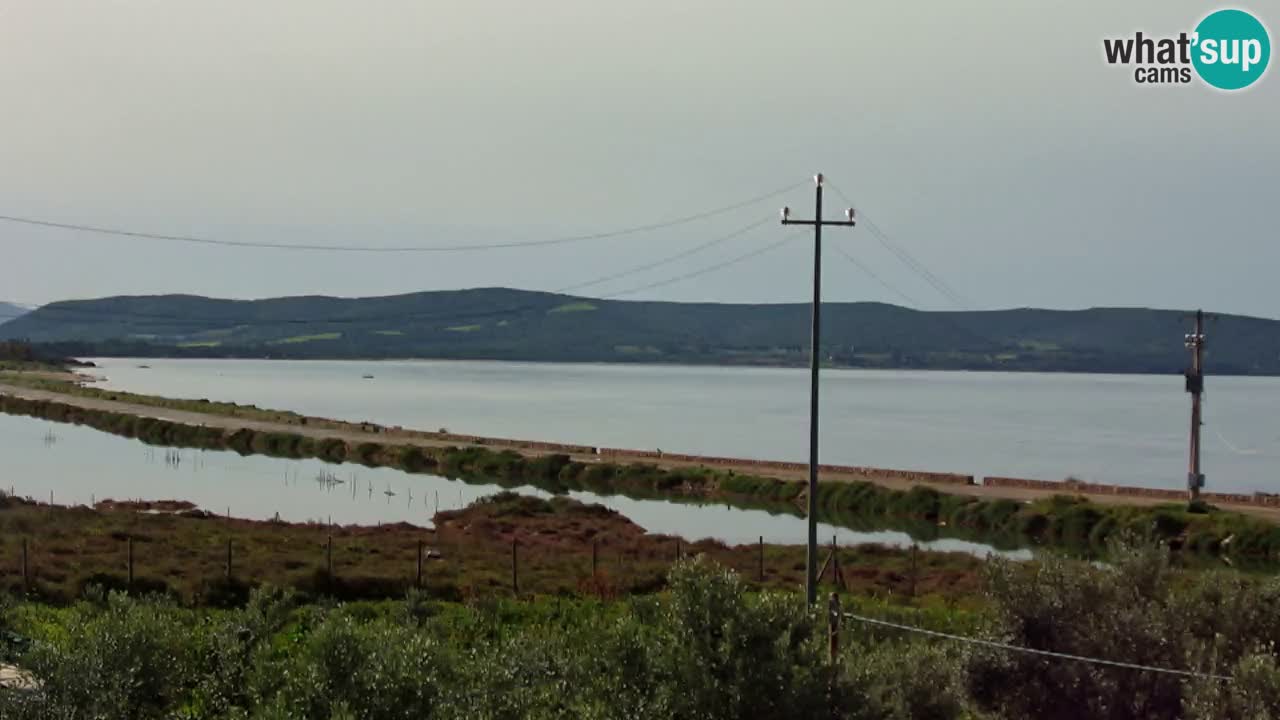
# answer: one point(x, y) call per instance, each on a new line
point(706, 649)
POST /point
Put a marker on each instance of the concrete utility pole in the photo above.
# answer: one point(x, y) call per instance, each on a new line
point(1195, 385)
point(815, 360)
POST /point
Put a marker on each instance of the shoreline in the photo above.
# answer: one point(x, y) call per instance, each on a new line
point(800, 367)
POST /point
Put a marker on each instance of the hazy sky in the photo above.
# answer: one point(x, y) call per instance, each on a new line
point(988, 138)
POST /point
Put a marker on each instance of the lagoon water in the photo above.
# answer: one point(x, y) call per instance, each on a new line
point(79, 465)
point(1126, 429)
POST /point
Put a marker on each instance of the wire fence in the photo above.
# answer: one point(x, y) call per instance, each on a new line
point(1030, 651)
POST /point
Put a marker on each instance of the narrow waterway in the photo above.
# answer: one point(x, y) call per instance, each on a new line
point(79, 465)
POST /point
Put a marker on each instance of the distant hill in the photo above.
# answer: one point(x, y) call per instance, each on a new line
point(9, 311)
point(499, 323)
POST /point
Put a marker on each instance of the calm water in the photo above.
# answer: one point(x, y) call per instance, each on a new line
point(1108, 428)
point(80, 465)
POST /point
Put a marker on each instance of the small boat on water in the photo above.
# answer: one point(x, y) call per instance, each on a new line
point(367, 377)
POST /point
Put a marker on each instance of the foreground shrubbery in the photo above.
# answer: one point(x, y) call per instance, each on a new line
point(705, 649)
point(925, 512)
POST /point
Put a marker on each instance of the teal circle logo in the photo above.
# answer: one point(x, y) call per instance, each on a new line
point(1231, 49)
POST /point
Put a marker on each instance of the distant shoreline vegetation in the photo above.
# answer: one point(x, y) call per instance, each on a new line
point(625, 355)
point(1062, 521)
point(516, 325)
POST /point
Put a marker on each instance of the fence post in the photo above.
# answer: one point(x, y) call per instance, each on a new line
point(761, 558)
point(228, 573)
point(833, 628)
point(914, 571)
point(837, 578)
point(677, 549)
point(328, 560)
point(26, 578)
point(130, 586)
point(595, 555)
point(418, 581)
point(515, 568)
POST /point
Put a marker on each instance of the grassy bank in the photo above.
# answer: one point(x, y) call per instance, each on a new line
point(1063, 521)
point(709, 646)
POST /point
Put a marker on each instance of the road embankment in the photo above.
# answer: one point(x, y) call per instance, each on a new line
point(1016, 511)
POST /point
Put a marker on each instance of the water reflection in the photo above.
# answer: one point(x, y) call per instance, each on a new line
point(84, 465)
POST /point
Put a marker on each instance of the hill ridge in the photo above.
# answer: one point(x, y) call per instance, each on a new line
point(511, 324)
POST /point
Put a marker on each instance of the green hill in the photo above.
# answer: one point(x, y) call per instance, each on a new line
point(499, 323)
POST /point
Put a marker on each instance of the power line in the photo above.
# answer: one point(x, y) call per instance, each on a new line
point(667, 260)
point(407, 248)
point(920, 269)
point(915, 265)
point(875, 276)
point(180, 320)
point(1033, 651)
point(705, 270)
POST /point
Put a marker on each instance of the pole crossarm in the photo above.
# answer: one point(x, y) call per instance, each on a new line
point(840, 223)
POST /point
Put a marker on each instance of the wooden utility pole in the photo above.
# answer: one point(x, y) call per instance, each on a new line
point(815, 360)
point(1195, 385)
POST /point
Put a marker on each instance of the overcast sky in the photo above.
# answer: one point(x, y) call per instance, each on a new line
point(987, 138)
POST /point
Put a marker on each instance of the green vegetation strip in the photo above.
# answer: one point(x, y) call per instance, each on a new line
point(708, 647)
point(306, 338)
point(1063, 521)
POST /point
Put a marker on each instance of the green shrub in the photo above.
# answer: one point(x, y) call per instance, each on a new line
point(1072, 525)
point(375, 670)
point(134, 659)
point(332, 450)
point(411, 459)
